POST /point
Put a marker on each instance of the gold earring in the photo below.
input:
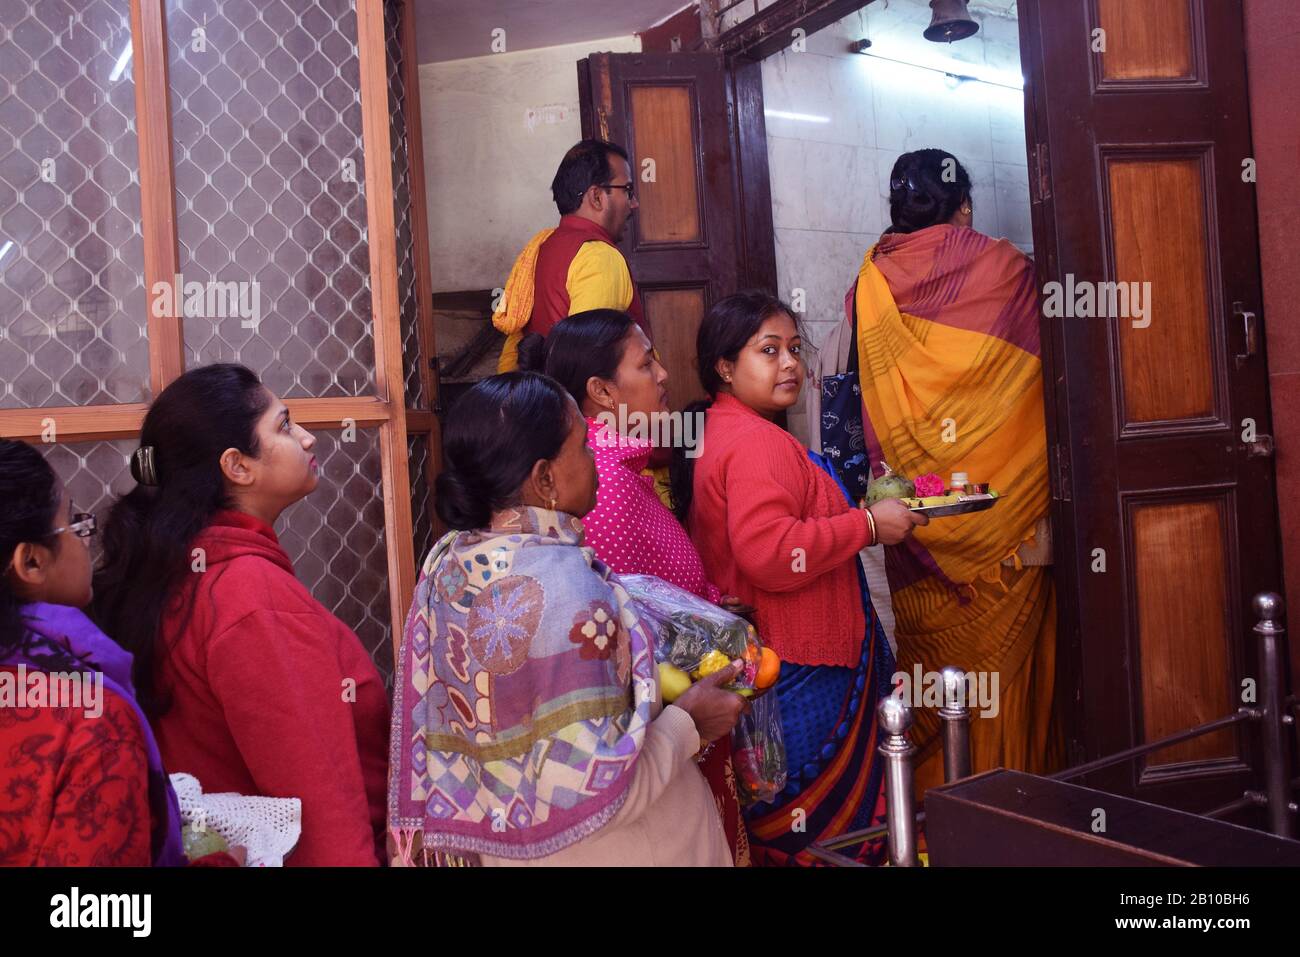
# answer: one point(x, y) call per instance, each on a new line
point(553, 504)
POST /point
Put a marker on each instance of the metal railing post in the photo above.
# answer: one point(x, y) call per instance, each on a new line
point(900, 797)
point(955, 715)
point(1277, 753)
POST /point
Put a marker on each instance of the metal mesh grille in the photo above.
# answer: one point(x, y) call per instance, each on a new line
point(72, 301)
point(95, 474)
point(266, 123)
point(421, 496)
point(335, 538)
point(408, 301)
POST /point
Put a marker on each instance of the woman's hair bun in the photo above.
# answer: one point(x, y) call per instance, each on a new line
point(926, 188)
point(460, 503)
point(493, 436)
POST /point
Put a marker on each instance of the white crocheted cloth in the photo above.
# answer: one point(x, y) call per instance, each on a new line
point(268, 827)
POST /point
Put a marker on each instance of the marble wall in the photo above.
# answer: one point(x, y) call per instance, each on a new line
point(837, 121)
point(495, 129)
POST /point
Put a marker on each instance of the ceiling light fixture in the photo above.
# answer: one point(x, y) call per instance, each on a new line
point(955, 72)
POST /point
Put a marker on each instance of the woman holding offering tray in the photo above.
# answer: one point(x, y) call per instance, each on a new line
point(948, 357)
point(776, 529)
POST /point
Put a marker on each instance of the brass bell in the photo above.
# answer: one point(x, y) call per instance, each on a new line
point(951, 21)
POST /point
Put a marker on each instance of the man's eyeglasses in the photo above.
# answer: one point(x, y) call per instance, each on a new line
point(83, 526)
point(627, 188)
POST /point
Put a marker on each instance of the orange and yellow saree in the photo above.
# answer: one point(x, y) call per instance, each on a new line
point(949, 363)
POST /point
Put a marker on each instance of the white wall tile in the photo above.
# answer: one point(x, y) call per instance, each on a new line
point(823, 265)
point(823, 186)
point(916, 109)
point(983, 195)
point(834, 40)
point(827, 99)
point(1001, 43)
point(1007, 127)
point(1012, 187)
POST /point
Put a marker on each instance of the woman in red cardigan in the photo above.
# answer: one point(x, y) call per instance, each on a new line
point(775, 528)
point(251, 684)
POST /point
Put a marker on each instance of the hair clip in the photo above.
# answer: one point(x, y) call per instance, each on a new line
point(144, 467)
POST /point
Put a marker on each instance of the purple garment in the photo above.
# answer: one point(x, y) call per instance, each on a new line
point(69, 630)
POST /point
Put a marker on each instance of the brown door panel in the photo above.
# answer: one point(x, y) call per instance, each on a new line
point(672, 112)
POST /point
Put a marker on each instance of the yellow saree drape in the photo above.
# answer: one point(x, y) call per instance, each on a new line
point(956, 385)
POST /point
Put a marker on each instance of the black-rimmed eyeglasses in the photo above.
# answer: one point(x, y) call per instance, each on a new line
point(628, 188)
point(82, 525)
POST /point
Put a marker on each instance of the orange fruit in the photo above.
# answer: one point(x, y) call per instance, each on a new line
point(769, 669)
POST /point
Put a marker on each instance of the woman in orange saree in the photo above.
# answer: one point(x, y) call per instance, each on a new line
point(949, 365)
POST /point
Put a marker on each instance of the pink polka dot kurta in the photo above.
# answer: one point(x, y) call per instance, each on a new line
point(630, 529)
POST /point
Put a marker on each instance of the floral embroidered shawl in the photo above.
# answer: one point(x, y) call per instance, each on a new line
point(523, 693)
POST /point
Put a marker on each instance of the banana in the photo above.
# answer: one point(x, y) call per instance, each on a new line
point(931, 500)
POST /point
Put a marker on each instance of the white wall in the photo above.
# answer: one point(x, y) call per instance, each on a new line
point(830, 167)
point(495, 129)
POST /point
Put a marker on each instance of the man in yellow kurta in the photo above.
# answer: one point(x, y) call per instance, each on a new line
point(576, 266)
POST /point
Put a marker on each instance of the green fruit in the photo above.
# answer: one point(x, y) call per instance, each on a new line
point(889, 485)
point(201, 843)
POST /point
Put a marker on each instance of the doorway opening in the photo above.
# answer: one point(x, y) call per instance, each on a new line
point(839, 113)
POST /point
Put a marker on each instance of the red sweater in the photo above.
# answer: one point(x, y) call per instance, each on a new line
point(74, 790)
point(775, 530)
point(272, 695)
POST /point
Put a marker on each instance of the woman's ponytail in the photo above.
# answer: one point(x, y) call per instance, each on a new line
point(681, 472)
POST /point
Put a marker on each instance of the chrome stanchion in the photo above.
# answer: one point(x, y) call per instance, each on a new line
point(955, 715)
point(1277, 754)
point(900, 797)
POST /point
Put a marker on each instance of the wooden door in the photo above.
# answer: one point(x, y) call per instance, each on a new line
point(674, 114)
point(1166, 515)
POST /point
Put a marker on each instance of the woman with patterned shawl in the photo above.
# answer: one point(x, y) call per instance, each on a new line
point(951, 376)
point(527, 719)
point(604, 360)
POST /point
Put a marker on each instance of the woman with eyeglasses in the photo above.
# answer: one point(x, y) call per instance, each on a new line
point(251, 684)
point(83, 783)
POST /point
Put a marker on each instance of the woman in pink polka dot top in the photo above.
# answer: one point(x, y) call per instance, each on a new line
point(606, 362)
point(603, 358)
